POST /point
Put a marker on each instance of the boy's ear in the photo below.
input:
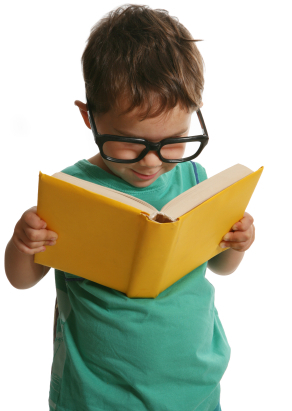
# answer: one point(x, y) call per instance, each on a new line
point(83, 110)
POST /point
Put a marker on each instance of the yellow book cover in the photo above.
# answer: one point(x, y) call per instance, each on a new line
point(122, 242)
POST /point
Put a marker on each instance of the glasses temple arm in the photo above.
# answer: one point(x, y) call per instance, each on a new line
point(201, 120)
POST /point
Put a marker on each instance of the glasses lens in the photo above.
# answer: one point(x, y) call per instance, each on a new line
point(122, 150)
point(180, 151)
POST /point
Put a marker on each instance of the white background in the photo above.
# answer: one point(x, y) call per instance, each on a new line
point(247, 103)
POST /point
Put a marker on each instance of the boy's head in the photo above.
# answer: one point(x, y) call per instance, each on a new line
point(144, 56)
point(141, 66)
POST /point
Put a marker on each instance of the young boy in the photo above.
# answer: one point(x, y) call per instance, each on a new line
point(144, 79)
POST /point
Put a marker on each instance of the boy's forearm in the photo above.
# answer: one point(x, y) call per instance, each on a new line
point(226, 262)
point(20, 268)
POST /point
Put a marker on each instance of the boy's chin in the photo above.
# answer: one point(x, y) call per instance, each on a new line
point(141, 184)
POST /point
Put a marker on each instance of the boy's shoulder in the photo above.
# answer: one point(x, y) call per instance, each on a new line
point(200, 170)
point(188, 173)
point(73, 170)
point(78, 169)
point(85, 170)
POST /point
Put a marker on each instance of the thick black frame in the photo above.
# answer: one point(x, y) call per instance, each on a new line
point(100, 139)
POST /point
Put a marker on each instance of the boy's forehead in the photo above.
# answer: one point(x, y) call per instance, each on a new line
point(150, 114)
point(169, 123)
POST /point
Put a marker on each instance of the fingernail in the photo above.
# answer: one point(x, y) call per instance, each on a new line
point(234, 227)
point(226, 238)
point(222, 245)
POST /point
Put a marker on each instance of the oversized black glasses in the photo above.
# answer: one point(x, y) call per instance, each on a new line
point(121, 149)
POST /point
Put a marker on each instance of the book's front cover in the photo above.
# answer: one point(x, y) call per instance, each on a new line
point(97, 236)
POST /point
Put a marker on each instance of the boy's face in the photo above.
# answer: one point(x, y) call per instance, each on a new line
point(175, 122)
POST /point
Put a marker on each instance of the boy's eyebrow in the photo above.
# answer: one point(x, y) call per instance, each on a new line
point(126, 134)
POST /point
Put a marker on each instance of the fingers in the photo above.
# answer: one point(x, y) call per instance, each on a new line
point(37, 235)
point(238, 236)
point(34, 238)
point(243, 236)
point(30, 233)
point(244, 223)
point(31, 218)
point(23, 248)
point(239, 246)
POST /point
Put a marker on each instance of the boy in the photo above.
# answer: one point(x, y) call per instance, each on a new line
point(144, 79)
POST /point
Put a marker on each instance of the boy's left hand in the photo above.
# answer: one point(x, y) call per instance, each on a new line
point(241, 236)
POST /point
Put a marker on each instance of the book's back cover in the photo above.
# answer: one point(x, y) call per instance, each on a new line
point(202, 229)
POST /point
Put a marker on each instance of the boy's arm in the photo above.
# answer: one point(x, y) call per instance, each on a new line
point(29, 237)
point(21, 270)
point(238, 242)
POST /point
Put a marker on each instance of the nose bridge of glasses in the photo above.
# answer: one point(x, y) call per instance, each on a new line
point(151, 152)
point(154, 146)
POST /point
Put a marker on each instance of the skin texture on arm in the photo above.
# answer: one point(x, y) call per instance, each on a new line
point(225, 263)
point(30, 237)
point(21, 270)
point(238, 240)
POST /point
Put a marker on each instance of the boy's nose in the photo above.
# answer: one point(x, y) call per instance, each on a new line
point(151, 160)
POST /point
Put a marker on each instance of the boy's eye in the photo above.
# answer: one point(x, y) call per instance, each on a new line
point(180, 150)
point(123, 150)
point(173, 150)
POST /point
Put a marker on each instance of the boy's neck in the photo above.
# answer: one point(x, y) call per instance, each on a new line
point(97, 161)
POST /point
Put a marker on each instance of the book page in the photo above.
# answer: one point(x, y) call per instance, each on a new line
point(204, 190)
point(107, 192)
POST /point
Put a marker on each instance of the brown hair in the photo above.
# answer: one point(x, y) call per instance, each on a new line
point(144, 56)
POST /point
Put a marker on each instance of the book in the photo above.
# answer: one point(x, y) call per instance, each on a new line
point(124, 243)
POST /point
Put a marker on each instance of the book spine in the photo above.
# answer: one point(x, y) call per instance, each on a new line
point(151, 258)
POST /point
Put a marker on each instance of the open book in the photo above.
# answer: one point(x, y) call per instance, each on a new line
point(124, 243)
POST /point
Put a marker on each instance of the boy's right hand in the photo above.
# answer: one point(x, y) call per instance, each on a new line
point(30, 233)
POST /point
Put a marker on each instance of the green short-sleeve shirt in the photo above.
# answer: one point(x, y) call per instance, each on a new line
point(114, 353)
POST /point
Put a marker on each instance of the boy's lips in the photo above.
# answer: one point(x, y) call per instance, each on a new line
point(145, 176)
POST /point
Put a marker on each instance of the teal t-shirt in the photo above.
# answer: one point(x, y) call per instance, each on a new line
point(114, 353)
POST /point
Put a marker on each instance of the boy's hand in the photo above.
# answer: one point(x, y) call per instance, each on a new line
point(30, 233)
point(242, 235)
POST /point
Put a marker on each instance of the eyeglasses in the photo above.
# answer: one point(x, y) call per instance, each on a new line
point(121, 149)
